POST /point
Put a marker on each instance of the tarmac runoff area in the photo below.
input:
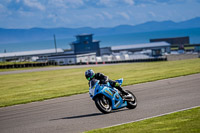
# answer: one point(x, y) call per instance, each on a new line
point(78, 113)
point(54, 68)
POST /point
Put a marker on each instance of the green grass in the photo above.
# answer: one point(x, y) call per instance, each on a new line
point(11, 63)
point(37, 86)
point(181, 122)
point(186, 48)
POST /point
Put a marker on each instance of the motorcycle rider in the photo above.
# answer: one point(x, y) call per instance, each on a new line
point(90, 75)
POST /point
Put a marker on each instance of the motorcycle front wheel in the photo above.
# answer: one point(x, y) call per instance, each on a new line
point(103, 104)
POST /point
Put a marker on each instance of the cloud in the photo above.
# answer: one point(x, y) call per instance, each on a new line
point(130, 2)
point(56, 4)
point(94, 13)
point(100, 16)
point(2, 9)
point(152, 14)
point(112, 3)
point(108, 15)
point(74, 3)
point(25, 14)
point(34, 4)
point(17, 1)
point(65, 3)
point(124, 15)
point(158, 2)
point(105, 3)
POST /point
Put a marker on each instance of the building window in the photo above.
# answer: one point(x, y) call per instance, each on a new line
point(61, 62)
point(88, 48)
point(85, 42)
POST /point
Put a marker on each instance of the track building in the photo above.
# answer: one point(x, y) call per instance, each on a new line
point(86, 50)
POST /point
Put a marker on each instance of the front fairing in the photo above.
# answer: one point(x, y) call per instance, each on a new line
point(109, 92)
point(94, 85)
point(95, 88)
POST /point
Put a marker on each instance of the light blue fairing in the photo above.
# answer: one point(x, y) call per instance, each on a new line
point(108, 91)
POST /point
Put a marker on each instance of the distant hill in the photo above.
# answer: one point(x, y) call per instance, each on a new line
point(34, 34)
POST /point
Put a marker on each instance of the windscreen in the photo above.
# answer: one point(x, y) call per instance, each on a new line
point(93, 82)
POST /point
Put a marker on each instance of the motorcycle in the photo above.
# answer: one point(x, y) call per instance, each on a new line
point(108, 98)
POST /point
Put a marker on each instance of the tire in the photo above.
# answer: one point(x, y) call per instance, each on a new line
point(132, 104)
point(103, 104)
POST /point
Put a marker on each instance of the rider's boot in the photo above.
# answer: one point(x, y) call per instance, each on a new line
point(125, 94)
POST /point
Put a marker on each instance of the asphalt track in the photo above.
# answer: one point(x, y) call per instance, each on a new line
point(78, 113)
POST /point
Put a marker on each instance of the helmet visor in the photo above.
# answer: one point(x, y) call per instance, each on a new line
point(89, 78)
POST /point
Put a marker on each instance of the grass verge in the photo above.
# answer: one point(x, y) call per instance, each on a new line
point(180, 122)
point(37, 86)
point(12, 63)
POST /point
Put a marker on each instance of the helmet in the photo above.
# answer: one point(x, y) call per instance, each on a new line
point(89, 74)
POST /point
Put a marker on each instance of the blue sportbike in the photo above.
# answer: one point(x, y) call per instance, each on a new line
point(108, 98)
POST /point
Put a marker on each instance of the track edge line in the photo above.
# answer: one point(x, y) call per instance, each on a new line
point(151, 117)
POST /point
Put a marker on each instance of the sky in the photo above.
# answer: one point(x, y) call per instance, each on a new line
point(25, 14)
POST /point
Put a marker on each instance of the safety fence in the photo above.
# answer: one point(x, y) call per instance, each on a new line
point(126, 61)
point(24, 65)
point(42, 64)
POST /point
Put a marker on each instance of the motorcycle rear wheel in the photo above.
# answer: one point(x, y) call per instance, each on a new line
point(103, 104)
point(131, 104)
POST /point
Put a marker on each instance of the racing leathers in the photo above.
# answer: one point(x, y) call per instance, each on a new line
point(104, 79)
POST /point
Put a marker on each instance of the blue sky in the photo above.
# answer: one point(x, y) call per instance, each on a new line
point(93, 13)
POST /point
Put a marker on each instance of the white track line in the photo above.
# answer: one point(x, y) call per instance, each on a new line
point(151, 117)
